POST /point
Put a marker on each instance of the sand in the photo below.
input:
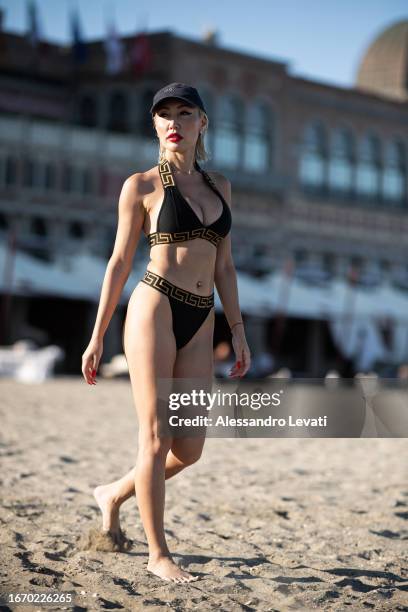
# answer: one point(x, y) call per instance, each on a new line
point(267, 524)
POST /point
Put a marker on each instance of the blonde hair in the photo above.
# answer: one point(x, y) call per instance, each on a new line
point(201, 153)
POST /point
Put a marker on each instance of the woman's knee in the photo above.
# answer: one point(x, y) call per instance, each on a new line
point(188, 454)
point(150, 444)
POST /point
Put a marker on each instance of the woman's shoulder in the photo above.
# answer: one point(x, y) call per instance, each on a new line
point(222, 183)
point(143, 177)
point(143, 184)
point(217, 177)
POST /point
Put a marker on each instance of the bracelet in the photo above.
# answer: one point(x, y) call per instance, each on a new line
point(237, 323)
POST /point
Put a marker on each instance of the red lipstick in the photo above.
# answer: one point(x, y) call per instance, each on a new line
point(176, 137)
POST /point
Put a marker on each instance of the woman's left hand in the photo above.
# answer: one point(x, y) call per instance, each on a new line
point(242, 353)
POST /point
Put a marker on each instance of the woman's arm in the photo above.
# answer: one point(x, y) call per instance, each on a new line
point(225, 279)
point(131, 213)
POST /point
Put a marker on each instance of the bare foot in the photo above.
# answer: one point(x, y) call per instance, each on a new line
point(109, 508)
point(165, 568)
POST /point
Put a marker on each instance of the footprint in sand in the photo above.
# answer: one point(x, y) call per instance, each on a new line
point(105, 541)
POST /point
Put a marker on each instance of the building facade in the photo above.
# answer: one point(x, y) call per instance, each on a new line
point(318, 172)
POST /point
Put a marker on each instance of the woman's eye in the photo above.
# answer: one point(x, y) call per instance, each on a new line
point(163, 114)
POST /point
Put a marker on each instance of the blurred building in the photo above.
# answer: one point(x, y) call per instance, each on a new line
point(319, 177)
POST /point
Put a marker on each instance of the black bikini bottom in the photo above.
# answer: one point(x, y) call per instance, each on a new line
point(189, 309)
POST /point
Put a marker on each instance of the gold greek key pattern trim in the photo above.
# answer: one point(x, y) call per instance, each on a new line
point(166, 175)
point(168, 237)
point(182, 295)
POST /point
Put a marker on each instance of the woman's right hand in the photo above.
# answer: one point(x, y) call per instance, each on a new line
point(90, 360)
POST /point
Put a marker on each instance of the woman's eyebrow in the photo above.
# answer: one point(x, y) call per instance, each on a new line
point(178, 106)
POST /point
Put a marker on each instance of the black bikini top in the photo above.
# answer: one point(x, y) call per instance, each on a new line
point(177, 222)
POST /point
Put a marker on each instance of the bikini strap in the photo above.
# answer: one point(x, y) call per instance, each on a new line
point(167, 178)
point(166, 174)
point(209, 180)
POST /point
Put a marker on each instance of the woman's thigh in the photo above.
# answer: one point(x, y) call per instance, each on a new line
point(195, 361)
point(150, 350)
point(196, 358)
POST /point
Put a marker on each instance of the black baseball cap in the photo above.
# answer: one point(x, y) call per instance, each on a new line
point(181, 91)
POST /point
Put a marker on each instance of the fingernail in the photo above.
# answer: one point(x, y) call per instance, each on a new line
point(93, 372)
point(239, 364)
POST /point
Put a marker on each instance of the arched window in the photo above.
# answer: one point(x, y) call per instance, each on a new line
point(11, 170)
point(394, 179)
point(86, 180)
point(312, 168)
point(145, 119)
point(368, 167)
point(39, 227)
point(88, 115)
point(341, 161)
point(228, 130)
point(258, 137)
point(4, 224)
point(28, 172)
point(117, 112)
point(50, 176)
point(76, 230)
point(67, 182)
point(208, 99)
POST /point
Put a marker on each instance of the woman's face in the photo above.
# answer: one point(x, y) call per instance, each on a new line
point(175, 117)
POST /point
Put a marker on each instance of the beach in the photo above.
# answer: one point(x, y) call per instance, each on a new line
point(266, 524)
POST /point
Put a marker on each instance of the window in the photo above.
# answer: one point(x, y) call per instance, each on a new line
point(88, 111)
point(368, 169)
point(87, 180)
point(313, 156)
point(76, 230)
point(228, 130)
point(340, 175)
point(394, 172)
point(329, 263)
point(49, 176)
point(67, 178)
point(117, 113)
point(3, 221)
point(38, 227)
point(145, 119)
point(208, 99)
point(300, 256)
point(257, 138)
point(28, 172)
point(11, 171)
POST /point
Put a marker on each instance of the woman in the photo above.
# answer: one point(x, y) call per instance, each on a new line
point(168, 332)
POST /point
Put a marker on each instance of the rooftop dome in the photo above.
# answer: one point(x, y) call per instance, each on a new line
point(384, 67)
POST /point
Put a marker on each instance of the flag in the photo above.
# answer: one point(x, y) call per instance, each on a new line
point(78, 47)
point(33, 31)
point(3, 40)
point(114, 50)
point(140, 54)
point(35, 36)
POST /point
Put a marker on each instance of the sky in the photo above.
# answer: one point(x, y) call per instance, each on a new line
point(322, 40)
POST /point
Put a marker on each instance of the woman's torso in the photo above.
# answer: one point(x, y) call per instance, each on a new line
point(190, 263)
